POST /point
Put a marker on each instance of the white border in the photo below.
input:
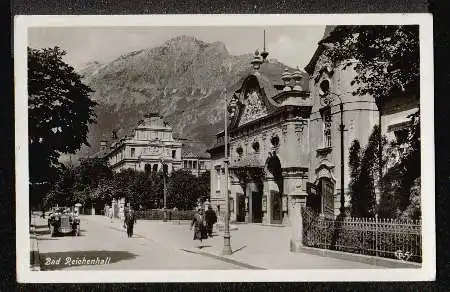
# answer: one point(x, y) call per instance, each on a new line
point(427, 272)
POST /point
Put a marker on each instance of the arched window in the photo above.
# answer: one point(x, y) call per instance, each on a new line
point(324, 87)
point(255, 146)
point(275, 141)
point(155, 167)
point(148, 168)
point(239, 151)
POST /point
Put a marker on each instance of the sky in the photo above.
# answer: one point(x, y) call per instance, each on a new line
point(291, 45)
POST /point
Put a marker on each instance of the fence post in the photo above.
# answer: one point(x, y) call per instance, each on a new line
point(376, 234)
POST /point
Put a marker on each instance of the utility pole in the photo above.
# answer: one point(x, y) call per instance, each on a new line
point(226, 235)
point(342, 129)
point(164, 166)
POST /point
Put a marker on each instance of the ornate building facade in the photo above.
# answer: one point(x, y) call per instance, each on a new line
point(149, 146)
point(285, 141)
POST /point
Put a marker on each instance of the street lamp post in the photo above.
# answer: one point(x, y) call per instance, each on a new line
point(165, 171)
point(226, 235)
point(341, 130)
point(326, 100)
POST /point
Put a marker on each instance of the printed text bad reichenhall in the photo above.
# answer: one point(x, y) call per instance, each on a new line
point(70, 261)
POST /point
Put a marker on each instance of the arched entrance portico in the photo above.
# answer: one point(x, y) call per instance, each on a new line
point(256, 192)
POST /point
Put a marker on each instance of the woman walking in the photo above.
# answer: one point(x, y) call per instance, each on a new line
point(199, 225)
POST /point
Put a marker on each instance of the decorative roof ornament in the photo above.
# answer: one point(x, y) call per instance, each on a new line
point(297, 76)
point(286, 77)
point(257, 61)
point(264, 53)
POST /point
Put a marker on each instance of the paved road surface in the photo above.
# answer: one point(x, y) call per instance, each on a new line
point(169, 245)
point(139, 252)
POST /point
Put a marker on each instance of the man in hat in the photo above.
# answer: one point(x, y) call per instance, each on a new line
point(130, 219)
point(211, 219)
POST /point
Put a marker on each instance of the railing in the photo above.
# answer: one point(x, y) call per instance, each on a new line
point(159, 214)
point(387, 238)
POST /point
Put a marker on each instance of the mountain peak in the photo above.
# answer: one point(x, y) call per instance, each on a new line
point(183, 39)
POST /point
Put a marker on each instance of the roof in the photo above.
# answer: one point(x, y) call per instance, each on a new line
point(187, 152)
point(100, 154)
point(312, 63)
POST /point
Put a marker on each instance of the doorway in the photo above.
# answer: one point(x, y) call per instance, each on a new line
point(257, 213)
point(240, 215)
point(276, 207)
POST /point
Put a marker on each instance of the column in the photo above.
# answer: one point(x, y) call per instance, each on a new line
point(297, 200)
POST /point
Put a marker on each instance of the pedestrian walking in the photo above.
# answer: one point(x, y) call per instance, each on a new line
point(211, 219)
point(130, 219)
point(199, 225)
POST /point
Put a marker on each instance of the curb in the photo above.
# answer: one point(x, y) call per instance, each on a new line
point(365, 259)
point(224, 259)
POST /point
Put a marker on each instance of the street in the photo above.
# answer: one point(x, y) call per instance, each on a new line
point(168, 245)
point(97, 240)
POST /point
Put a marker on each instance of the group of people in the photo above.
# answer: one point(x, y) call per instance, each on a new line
point(203, 223)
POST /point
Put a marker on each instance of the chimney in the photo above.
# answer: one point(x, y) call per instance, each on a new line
point(103, 145)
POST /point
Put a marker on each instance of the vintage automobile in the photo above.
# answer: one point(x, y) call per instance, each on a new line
point(63, 221)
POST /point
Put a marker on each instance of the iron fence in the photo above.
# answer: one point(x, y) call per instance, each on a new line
point(387, 238)
point(159, 214)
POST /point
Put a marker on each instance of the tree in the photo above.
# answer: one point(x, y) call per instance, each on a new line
point(355, 168)
point(183, 190)
point(364, 167)
point(400, 197)
point(385, 57)
point(59, 113)
point(92, 171)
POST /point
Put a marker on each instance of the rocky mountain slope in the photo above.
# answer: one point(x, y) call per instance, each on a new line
point(183, 80)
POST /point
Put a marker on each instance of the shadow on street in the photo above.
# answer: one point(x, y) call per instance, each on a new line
point(59, 260)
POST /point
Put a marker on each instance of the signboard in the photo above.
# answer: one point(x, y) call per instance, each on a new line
point(231, 202)
point(264, 204)
point(327, 198)
point(284, 204)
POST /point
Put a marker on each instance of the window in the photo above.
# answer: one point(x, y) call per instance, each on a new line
point(190, 164)
point(185, 164)
point(132, 152)
point(218, 179)
point(174, 153)
point(239, 151)
point(155, 167)
point(202, 165)
point(148, 168)
point(275, 141)
point(195, 164)
point(255, 147)
point(401, 136)
point(324, 87)
point(326, 117)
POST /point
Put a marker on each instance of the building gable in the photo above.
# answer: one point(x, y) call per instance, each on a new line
point(253, 100)
point(254, 108)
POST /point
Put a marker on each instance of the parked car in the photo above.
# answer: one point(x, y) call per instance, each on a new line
point(63, 221)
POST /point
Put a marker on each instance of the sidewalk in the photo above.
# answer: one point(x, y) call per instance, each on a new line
point(253, 245)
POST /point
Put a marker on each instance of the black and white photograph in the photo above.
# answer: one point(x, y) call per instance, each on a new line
point(224, 148)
